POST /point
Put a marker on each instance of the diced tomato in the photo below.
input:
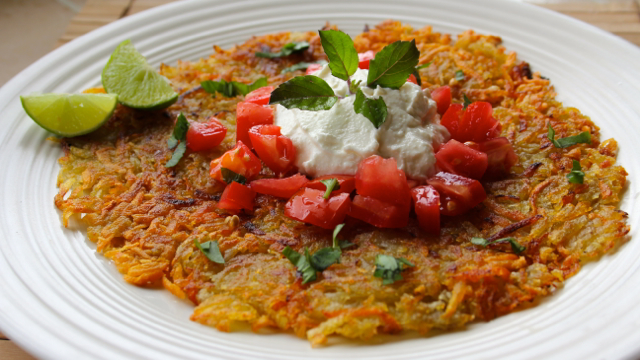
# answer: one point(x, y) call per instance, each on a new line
point(380, 213)
point(260, 96)
point(239, 160)
point(249, 115)
point(442, 97)
point(458, 158)
point(309, 206)
point(458, 194)
point(313, 68)
point(476, 123)
point(412, 78)
point(501, 157)
point(347, 183)
point(426, 202)
point(284, 188)
point(205, 136)
point(381, 179)
point(236, 197)
point(276, 150)
point(364, 59)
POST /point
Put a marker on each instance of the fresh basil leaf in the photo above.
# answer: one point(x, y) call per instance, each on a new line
point(373, 109)
point(286, 50)
point(177, 154)
point(232, 88)
point(343, 57)
point(576, 176)
point(229, 176)
point(582, 138)
point(416, 74)
point(179, 131)
point(331, 184)
point(459, 75)
point(515, 246)
point(467, 102)
point(392, 65)
point(423, 65)
point(325, 257)
point(388, 268)
point(244, 89)
point(211, 250)
point(307, 92)
point(303, 65)
point(336, 231)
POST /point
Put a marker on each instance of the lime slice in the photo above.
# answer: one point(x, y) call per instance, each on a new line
point(136, 83)
point(69, 114)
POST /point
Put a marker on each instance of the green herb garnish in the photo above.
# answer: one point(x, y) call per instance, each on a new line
point(423, 65)
point(582, 138)
point(389, 268)
point(230, 176)
point(416, 74)
point(302, 263)
point(467, 102)
point(342, 244)
point(232, 88)
point(331, 184)
point(459, 75)
point(515, 246)
point(303, 65)
point(307, 92)
point(576, 176)
point(393, 64)
point(373, 109)
point(343, 57)
point(286, 50)
point(211, 250)
point(178, 140)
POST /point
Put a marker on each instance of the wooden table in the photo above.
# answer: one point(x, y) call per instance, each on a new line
point(621, 18)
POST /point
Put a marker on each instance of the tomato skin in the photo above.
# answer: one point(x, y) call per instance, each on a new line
point(379, 213)
point(273, 148)
point(381, 179)
point(458, 194)
point(412, 79)
point(313, 68)
point(205, 136)
point(442, 97)
point(364, 59)
point(284, 188)
point(457, 158)
point(476, 123)
point(239, 160)
point(236, 197)
point(451, 120)
point(347, 183)
point(501, 157)
point(249, 115)
point(426, 202)
point(260, 96)
point(309, 206)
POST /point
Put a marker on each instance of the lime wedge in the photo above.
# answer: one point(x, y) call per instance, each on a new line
point(136, 83)
point(69, 114)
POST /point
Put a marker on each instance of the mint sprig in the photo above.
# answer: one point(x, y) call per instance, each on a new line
point(343, 57)
point(232, 88)
point(582, 138)
point(392, 66)
point(373, 109)
point(286, 50)
point(307, 92)
point(178, 140)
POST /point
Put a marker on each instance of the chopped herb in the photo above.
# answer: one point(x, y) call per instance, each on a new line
point(304, 92)
point(459, 75)
point(211, 250)
point(342, 244)
point(576, 176)
point(467, 102)
point(325, 257)
point(303, 65)
point(423, 65)
point(373, 109)
point(302, 263)
point(178, 153)
point(515, 246)
point(389, 268)
point(286, 50)
point(232, 88)
point(343, 57)
point(230, 176)
point(331, 184)
point(178, 141)
point(392, 65)
point(582, 138)
point(416, 74)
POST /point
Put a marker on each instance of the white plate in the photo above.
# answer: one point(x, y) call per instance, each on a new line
point(61, 300)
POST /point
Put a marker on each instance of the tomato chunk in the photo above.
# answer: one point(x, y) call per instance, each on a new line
point(236, 197)
point(457, 158)
point(205, 136)
point(381, 179)
point(364, 59)
point(380, 213)
point(276, 150)
point(442, 97)
point(426, 202)
point(313, 68)
point(412, 79)
point(284, 188)
point(347, 183)
point(249, 115)
point(239, 160)
point(476, 123)
point(458, 194)
point(260, 96)
point(309, 206)
point(501, 157)
point(451, 120)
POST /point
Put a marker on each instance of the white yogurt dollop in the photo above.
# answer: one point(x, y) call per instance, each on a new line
point(335, 141)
